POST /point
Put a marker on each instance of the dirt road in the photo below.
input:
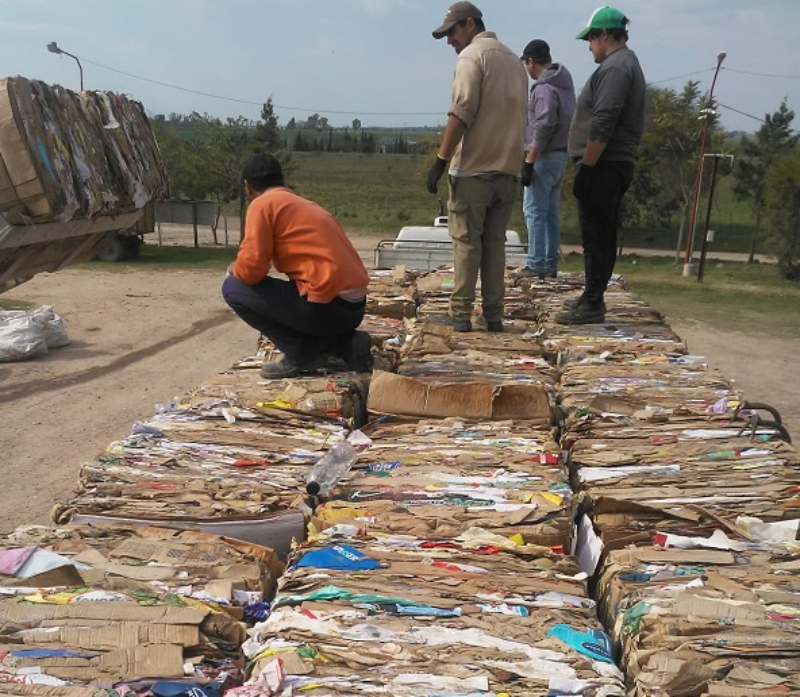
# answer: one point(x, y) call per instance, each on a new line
point(141, 337)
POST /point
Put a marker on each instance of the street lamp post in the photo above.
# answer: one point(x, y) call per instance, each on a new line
point(708, 113)
point(53, 48)
point(704, 246)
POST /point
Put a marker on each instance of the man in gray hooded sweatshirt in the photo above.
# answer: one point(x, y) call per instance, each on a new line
point(551, 105)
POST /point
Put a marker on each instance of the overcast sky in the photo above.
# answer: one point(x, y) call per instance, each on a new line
point(375, 60)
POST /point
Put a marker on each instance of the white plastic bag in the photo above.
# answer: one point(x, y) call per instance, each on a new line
point(25, 335)
point(55, 332)
point(21, 337)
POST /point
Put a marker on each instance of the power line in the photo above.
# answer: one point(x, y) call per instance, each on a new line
point(386, 113)
point(174, 87)
point(743, 113)
point(305, 110)
point(750, 72)
point(750, 116)
point(678, 77)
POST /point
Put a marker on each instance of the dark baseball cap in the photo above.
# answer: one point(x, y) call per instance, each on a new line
point(261, 166)
point(536, 49)
point(455, 14)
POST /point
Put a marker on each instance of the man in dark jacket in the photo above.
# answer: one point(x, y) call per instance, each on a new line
point(604, 141)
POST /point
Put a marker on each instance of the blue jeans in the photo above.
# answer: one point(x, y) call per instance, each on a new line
point(540, 204)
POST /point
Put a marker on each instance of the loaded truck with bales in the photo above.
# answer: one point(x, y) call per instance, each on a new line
point(78, 175)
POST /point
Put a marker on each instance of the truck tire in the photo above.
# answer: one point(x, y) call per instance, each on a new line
point(110, 249)
point(133, 247)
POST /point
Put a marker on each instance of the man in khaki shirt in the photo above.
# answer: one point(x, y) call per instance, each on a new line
point(484, 142)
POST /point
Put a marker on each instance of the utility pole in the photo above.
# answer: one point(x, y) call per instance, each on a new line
point(708, 113)
point(704, 248)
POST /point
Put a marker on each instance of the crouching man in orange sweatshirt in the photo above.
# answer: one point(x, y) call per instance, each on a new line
point(314, 315)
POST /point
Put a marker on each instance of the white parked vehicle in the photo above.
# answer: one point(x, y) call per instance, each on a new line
point(427, 247)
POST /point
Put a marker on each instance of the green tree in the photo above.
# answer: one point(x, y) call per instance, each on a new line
point(782, 206)
point(225, 146)
point(667, 164)
point(174, 153)
point(229, 146)
point(756, 155)
point(267, 135)
point(300, 144)
point(206, 162)
point(204, 155)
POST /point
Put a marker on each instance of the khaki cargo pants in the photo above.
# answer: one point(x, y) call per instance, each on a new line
point(478, 213)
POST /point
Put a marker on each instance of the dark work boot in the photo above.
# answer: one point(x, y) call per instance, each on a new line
point(358, 352)
point(495, 326)
point(527, 273)
point(570, 303)
point(583, 312)
point(284, 368)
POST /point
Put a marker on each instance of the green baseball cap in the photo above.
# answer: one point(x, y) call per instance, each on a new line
point(604, 18)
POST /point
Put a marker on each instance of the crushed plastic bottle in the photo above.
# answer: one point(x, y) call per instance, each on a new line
point(330, 468)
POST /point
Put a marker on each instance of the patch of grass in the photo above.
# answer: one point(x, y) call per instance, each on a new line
point(8, 304)
point(172, 257)
point(378, 194)
point(733, 295)
point(374, 194)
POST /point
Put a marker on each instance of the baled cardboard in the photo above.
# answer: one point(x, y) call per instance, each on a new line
point(405, 396)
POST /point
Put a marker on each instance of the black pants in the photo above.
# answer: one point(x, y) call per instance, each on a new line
point(302, 330)
point(599, 215)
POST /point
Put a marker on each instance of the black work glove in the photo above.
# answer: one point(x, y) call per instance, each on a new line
point(526, 175)
point(435, 174)
point(583, 181)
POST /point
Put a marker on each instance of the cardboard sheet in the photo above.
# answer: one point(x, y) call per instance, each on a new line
point(396, 394)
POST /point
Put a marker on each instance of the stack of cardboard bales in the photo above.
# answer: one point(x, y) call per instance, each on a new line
point(392, 293)
point(688, 510)
point(83, 605)
point(520, 492)
point(75, 170)
point(66, 155)
point(441, 564)
point(229, 456)
point(222, 464)
point(475, 614)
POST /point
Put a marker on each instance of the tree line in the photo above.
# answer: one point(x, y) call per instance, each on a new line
point(204, 155)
